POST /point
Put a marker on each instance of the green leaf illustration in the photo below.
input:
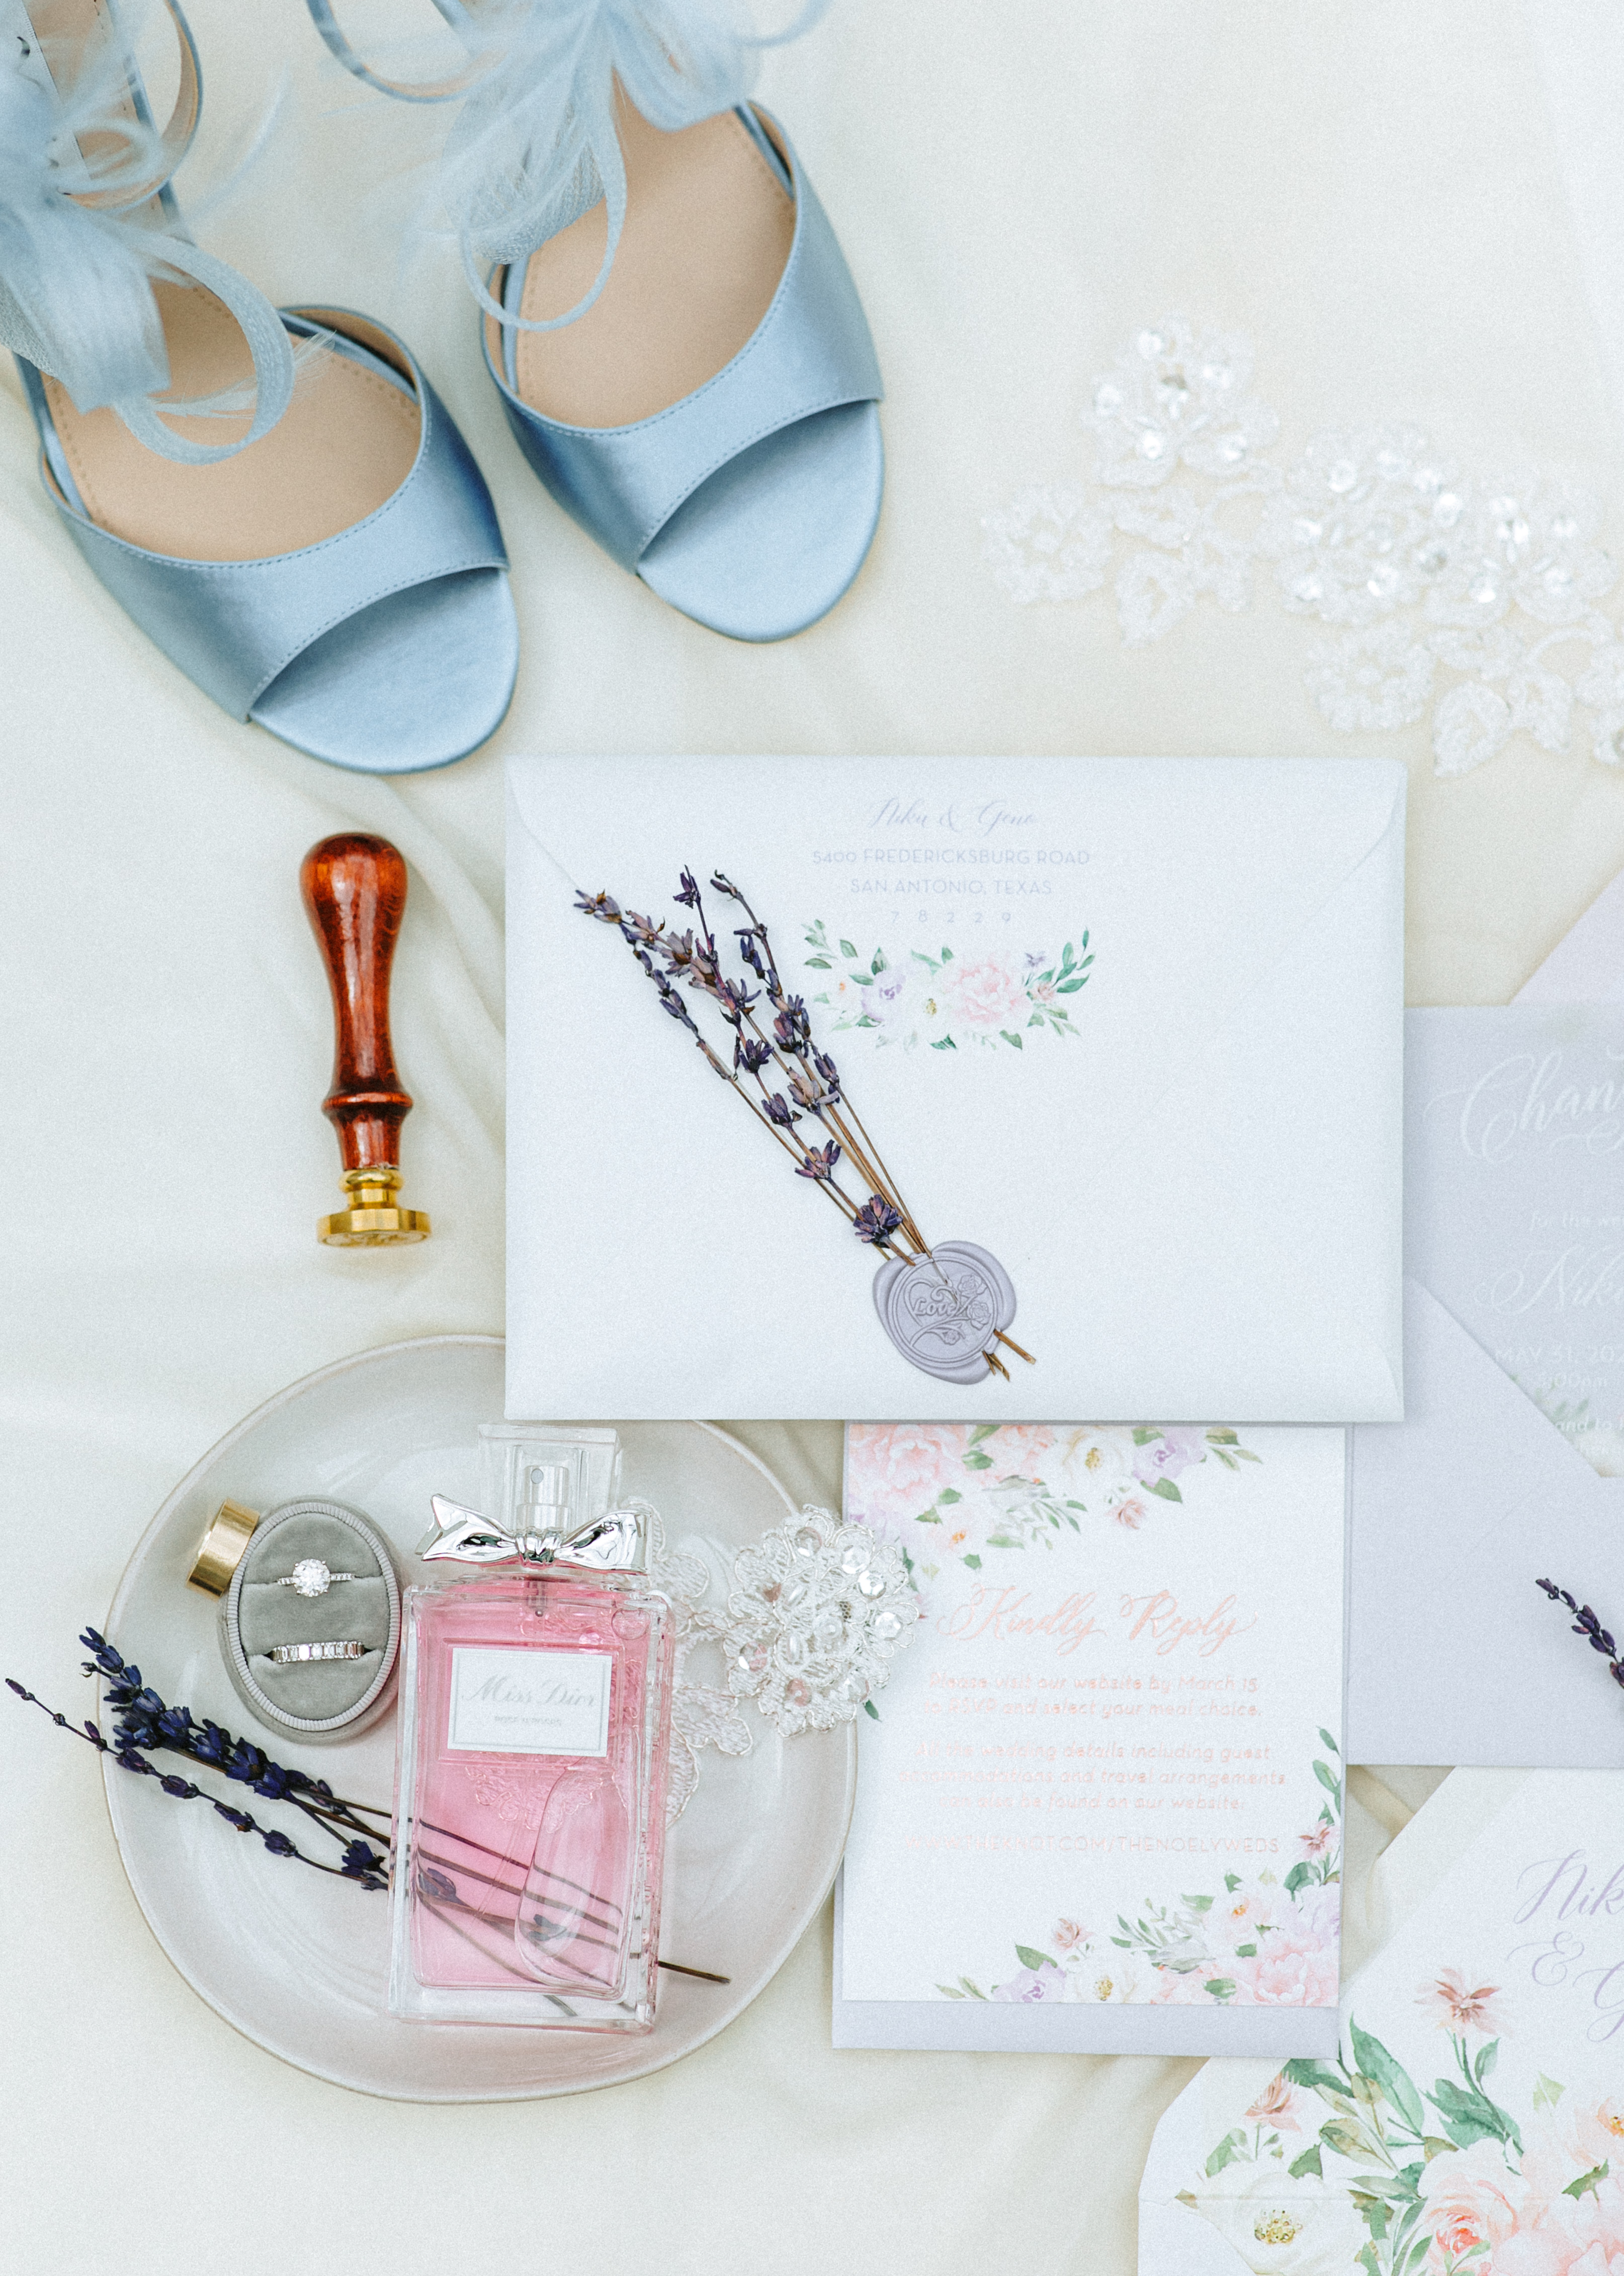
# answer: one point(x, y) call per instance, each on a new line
point(1028, 1958)
point(1394, 2081)
point(928, 1517)
point(1303, 2070)
point(1471, 2117)
point(1488, 2056)
point(978, 1461)
point(1010, 1037)
point(1145, 1434)
point(1070, 987)
point(985, 1431)
point(1299, 1878)
point(1548, 2093)
point(950, 1991)
point(946, 956)
point(846, 949)
point(1330, 1742)
point(1231, 1882)
point(974, 1564)
point(1232, 2142)
point(1308, 2163)
point(945, 1045)
point(1592, 2180)
point(1219, 1987)
point(1246, 1952)
point(878, 963)
point(822, 964)
point(1328, 1778)
point(1198, 1904)
point(950, 1494)
point(869, 1708)
point(1168, 1491)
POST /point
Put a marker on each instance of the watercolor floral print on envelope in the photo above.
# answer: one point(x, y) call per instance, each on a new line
point(1359, 2165)
point(996, 998)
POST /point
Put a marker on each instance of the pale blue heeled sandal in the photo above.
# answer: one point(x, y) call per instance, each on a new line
point(749, 501)
point(334, 572)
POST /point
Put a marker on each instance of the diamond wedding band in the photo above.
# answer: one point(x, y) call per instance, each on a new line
point(312, 1577)
point(290, 1654)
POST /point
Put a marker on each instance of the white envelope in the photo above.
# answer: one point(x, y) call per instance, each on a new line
point(1454, 1654)
point(1421, 1921)
point(1194, 1183)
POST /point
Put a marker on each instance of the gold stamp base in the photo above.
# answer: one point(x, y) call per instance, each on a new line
point(375, 1218)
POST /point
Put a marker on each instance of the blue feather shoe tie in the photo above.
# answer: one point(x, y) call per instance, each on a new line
point(277, 496)
point(667, 317)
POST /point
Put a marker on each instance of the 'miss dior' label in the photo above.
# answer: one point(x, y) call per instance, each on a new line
point(528, 1702)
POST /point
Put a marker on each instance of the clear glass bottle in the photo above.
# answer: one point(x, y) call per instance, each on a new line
point(535, 1722)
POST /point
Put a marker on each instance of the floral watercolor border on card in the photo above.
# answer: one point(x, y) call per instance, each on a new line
point(1111, 1775)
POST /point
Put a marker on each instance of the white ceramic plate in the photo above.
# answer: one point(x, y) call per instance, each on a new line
point(300, 1963)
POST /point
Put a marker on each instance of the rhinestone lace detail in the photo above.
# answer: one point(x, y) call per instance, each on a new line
point(1469, 596)
point(815, 1614)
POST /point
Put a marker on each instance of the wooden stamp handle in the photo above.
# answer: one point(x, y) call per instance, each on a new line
point(355, 892)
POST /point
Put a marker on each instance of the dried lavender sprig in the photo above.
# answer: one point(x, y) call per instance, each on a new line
point(647, 938)
point(361, 1864)
point(1587, 1625)
point(144, 1722)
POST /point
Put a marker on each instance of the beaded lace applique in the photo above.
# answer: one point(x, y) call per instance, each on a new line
point(1467, 595)
point(814, 1615)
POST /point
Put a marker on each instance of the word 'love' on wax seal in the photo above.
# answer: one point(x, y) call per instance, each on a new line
point(943, 1310)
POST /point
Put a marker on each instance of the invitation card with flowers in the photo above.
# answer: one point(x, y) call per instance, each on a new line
point(1469, 2121)
point(1099, 1807)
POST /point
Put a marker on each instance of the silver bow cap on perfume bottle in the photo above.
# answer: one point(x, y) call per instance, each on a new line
point(617, 1542)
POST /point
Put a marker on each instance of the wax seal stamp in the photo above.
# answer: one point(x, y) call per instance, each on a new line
point(944, 1310)
point(355, 892)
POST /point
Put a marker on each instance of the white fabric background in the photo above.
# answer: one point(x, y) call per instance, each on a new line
point(1377, 194)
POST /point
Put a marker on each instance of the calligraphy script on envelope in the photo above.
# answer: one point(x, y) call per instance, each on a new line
point(1514, 1376)
point(1131, 1026)
point(1471, 2117)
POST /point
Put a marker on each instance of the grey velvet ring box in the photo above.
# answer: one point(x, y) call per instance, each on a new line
point(312, 1699)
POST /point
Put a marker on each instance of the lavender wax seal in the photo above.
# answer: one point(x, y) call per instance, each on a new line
point(944, 1309)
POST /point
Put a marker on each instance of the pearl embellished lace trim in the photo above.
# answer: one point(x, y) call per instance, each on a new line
point(1465, 596)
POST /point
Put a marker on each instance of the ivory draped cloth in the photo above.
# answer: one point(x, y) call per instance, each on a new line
point(1415, 216)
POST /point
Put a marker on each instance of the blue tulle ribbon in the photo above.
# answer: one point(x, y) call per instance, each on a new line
point(533, 145)
point(78, 258)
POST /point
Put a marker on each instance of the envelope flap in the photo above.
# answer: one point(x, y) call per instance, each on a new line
point(1193, 879)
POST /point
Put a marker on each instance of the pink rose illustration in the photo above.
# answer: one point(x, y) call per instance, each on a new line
point(900, 1468)
point(1187, 1990)
point(1131, 1512)
point(1291, 1970)
point(985, 992)
point(1017, 1449)
point(1469, 2200)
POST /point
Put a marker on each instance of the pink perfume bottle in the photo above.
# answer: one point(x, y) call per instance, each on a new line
point(535, 1721)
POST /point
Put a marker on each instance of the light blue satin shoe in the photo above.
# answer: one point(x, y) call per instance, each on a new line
point(706, 408)
point(277, 498)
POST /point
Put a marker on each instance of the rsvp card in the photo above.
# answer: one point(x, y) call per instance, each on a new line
point(1100, 1801)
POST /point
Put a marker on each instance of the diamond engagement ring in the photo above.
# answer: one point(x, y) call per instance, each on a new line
point(291, 1655)
point(312, 1577)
